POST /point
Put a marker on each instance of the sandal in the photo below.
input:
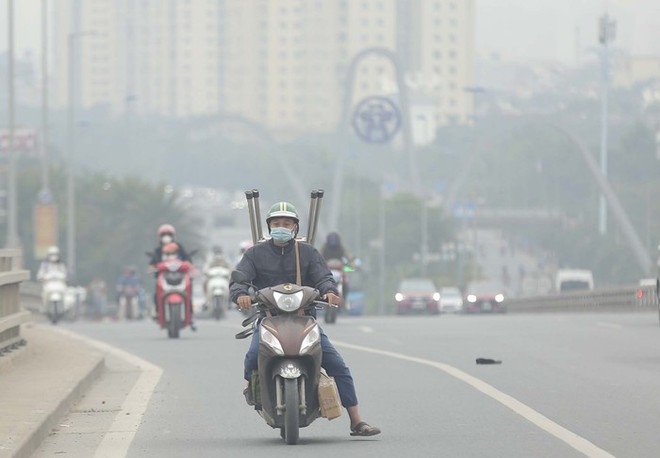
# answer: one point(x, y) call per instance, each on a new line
point(364, 429)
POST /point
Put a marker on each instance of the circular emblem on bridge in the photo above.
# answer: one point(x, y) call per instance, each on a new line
point(376, 119)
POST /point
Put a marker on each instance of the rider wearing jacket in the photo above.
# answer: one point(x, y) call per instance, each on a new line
point(274, 262)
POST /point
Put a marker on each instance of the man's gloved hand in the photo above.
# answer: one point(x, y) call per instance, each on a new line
point(333, 299)
point(244, 302)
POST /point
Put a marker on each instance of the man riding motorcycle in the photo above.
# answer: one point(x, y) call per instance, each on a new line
point(273, 262)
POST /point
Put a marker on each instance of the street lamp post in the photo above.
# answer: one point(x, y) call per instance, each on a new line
point(45, 195)
point(12, 201)
point(70, 182)
point(606, 33)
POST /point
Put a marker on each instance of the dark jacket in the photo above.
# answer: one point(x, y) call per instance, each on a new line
point(158, 254)
point(266, 264)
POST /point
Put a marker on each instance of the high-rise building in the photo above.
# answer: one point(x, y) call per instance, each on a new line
point(278, 63)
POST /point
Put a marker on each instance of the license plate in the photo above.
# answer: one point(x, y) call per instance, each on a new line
point(487, 306)
point(419, 305)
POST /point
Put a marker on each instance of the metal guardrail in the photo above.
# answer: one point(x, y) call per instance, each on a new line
point(624, 299)
point(11, 315)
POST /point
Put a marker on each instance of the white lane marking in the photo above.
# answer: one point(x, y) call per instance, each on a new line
point(570, 438)
point(121, 433)
point(366, 329)
point(604, 324)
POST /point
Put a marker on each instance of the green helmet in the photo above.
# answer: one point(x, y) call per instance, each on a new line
point(282, 210)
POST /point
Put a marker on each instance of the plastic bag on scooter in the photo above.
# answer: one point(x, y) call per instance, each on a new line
point(329, 397)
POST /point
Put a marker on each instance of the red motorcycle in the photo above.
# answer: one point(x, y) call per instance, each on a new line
point(174, 295)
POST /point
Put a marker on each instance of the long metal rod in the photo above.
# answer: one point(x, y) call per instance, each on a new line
point(250, 205)
point(310, 218)
point(257, 214)
point(12, 209)
point(317, 210)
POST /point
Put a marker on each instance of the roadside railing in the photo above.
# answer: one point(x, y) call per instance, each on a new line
point(11, 315)
point(622, 299)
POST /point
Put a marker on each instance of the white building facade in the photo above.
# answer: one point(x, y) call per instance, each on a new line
point(279, 63)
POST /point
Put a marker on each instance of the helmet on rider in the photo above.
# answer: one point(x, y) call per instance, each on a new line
point(217, 250)
point(283, 210)
point(53, 253)
point(166, 233)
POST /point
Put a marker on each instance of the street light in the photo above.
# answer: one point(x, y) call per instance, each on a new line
point(606, 33)
point(45, 195)
point(12, 201)
point(70, 182)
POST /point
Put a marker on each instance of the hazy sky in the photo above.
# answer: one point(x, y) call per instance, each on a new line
point(521, 29)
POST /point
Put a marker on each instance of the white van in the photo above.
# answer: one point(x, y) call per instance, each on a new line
point(568, 280)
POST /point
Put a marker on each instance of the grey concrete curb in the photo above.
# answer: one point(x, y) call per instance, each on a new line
point(41, 385)
point(50, 419)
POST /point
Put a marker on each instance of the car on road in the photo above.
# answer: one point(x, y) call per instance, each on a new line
point(417, 295)
point(451, 300)
point(484, 297)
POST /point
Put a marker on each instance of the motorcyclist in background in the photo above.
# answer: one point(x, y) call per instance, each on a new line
point(169, 251)
point(51, 264)
point(273, 262)
point(166, 236)
point(217, 259)
point(129, 280)
point(334, 249)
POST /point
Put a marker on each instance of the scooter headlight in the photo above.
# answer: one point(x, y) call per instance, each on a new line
point(310, 339)
point(288, 302)
point(269, 339)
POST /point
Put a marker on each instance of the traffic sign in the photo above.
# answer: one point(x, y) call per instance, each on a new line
point(376, 119)
point(25, 141)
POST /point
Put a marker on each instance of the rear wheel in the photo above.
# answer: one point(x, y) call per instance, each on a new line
point(174, 324)
point(291, 414)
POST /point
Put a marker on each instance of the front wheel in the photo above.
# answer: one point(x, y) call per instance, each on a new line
point(291, 414)
point(174, 324)
point(54, 313)
point(218, 307)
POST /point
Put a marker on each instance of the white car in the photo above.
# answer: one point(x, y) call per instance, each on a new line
point(451, 300)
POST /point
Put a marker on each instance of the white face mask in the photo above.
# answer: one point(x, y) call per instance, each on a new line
point(166, 239)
